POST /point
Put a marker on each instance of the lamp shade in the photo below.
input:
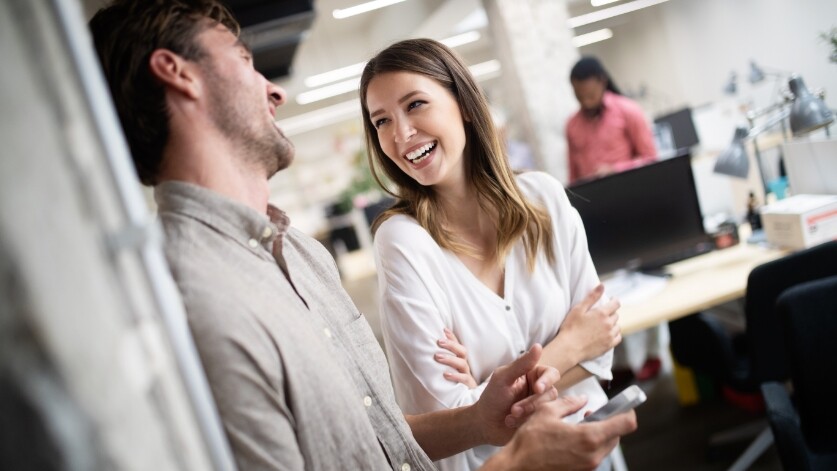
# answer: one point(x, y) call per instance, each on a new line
point(808, 113)
point(733, 161)
point(731, 87)
point(756, 74)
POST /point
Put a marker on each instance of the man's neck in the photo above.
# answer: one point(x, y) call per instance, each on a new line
point(212, 163)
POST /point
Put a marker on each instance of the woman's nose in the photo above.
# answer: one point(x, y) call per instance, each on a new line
point(404, 131)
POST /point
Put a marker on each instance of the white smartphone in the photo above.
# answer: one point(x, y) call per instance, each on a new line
point(626, 400)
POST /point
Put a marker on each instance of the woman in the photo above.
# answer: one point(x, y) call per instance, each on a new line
point(497, 260)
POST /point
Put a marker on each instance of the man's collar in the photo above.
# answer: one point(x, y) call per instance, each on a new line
point(225, 215)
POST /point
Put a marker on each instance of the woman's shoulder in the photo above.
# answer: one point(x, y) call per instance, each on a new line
point(540, 185)
point(399, 229)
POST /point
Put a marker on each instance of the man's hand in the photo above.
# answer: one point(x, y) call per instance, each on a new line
point(512, 393)
point(546, 442)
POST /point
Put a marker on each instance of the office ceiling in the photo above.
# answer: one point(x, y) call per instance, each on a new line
point(323, 43)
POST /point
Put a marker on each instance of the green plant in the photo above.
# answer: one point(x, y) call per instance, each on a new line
point(831, 38)
point(362, 182)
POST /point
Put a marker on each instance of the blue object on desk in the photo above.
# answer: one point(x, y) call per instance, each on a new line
point(757, 237)
point(779, 187)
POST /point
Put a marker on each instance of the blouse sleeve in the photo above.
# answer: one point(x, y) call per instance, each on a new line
point(571, 240)
point(414, 313)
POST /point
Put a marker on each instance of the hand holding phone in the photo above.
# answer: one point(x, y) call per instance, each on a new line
point(626, 400)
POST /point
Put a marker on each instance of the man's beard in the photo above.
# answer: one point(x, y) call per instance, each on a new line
point(264, 146)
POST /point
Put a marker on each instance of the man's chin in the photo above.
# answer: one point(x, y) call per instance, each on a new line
point(283, 160)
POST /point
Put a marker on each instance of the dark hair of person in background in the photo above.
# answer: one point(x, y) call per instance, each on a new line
point(589, 66)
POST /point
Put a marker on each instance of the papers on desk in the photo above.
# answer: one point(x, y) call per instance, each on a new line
point(633, 287)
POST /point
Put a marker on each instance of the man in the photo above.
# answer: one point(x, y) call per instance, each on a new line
point(609, 133)
point(299, 380)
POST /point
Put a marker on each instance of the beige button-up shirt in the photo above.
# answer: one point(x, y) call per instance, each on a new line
point(298, 377)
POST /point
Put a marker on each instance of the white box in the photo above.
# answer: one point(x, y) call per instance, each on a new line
point(800, 221)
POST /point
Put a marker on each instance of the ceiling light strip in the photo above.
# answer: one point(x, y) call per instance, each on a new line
point(320, 118)
point(335, 75)
point(461, 39)
point(342, 13)
point(328, 91)
point(484, 69)
point(350, 109)
point(356, 69)
point(598, 3)
point(611, 12)
point(593, 37)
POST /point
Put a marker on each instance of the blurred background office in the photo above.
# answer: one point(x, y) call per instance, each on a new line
point(714, 76)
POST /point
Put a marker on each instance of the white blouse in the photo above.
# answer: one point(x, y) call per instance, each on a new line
point(425, 288)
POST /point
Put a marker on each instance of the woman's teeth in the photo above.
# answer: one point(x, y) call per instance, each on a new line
point(421, 153)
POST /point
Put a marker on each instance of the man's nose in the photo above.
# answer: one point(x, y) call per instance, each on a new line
point(276, 93)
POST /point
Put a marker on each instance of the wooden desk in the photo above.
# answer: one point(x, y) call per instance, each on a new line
point(697, 284)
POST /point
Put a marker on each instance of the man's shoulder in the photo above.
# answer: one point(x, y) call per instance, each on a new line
point(627, 106)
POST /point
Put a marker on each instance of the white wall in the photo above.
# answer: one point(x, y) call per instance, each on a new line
point(684, 50)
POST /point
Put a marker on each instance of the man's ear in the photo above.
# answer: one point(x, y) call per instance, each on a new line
point(175, 72)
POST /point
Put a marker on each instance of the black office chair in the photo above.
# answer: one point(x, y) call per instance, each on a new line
point(806, 437)
point(745, 361)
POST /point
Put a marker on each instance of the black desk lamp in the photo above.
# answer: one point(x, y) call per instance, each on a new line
point(807, 113)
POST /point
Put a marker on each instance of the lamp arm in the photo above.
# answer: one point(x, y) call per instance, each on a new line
point(773, 121)
point(754, 115)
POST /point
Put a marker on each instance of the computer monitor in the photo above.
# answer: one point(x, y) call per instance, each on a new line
point(643, 218)
point(682, 126)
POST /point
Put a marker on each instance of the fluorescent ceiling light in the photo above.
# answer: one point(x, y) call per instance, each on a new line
point(350, 109)
point(598, 3)
point(594, 37)
point(611, 12)
point(356, 69)
point(460, 39)
point(328, 91)
point(335, 75)
point(320, 118)
point(362, 8)
point(485, 69)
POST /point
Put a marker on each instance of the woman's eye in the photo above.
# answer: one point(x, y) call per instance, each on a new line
point(415, 104)
point(379, 123)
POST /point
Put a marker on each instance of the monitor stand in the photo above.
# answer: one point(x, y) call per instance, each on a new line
point(632, 287)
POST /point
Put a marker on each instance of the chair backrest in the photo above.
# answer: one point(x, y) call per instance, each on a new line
point(808, 315)
point(768, 357)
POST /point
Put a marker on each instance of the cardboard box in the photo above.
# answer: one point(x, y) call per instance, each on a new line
point(800, 221)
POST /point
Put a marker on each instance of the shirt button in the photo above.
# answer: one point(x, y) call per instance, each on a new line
point(508, 308)
point(253, 243)
point(327, 332)
point(267, 232)
point(367, 401)
point(405, 467)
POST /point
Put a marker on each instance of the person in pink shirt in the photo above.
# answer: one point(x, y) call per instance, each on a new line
point(609, 133)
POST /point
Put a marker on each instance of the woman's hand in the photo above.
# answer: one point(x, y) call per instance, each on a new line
point(458, 361)
point(592, 331)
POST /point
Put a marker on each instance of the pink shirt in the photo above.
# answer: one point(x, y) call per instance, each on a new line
point(616, 140)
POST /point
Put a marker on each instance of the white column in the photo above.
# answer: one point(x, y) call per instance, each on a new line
point(534, 46)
